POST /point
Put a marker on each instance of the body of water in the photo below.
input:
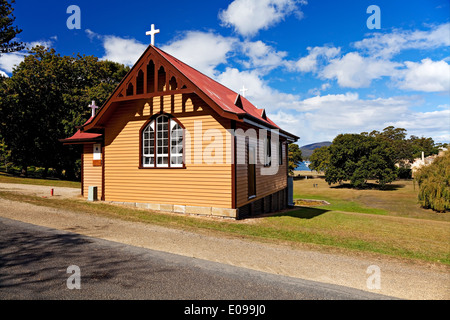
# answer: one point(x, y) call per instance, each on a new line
point(303, 166)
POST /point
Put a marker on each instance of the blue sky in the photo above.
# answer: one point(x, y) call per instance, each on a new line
point(315, 66)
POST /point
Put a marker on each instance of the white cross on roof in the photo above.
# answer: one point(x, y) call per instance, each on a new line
point(244, 90)
point(93, 107)
point(152, 33)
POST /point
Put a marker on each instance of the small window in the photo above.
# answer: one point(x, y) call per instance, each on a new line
point(251, 170)
point(162, 143)
point(268, 151)
point(280, 153)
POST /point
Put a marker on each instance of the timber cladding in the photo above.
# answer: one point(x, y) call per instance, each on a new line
point(265, 184)
point(197, 184)
point(92, 174)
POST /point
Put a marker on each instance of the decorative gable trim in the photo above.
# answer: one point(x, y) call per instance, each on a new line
point(238, 102)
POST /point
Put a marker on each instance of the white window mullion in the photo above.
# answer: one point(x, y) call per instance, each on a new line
point(148, 147)
point(176, 145)
point(162, 141)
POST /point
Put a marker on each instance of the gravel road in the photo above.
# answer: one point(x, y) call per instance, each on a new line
point(397, 278)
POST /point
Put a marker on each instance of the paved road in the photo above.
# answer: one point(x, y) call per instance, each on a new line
point(34, 262)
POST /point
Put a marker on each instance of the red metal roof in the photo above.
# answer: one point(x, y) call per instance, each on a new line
point(81, 136)
point(224, 98)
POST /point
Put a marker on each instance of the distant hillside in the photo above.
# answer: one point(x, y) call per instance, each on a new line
point(309, 148)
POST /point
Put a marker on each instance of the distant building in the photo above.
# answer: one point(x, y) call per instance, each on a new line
point(426, 161)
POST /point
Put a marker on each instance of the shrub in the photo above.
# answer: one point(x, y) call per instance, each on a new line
point(434, 184)
point(404, 173)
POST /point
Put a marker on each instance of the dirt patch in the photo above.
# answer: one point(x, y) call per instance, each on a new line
point(42, 191)
point(310, 202)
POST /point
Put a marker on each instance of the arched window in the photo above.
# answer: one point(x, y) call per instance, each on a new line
point(130, 90)
point(162, 143)
point(151, 77)
point(140, 82)
point(162, 79)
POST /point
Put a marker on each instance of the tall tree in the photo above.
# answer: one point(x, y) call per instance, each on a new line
point(295, 156)
point(8, 32)
point(320, 159)
point(425, 145)
point(434, 184)
point(396, 137)
point(359, 158)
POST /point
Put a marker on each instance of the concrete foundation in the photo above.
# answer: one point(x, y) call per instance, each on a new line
point(197, 210)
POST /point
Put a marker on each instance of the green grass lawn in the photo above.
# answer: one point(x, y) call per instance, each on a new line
point(6, 178)
point(372, 221)
point(399, 199)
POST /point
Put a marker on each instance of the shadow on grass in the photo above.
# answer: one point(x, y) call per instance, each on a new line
point(308, 177)
point(300, 212)
point(370, 186)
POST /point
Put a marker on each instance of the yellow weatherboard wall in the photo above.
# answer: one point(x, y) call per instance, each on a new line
point(205, 185)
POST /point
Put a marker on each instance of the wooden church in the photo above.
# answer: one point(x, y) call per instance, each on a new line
point(172, 139)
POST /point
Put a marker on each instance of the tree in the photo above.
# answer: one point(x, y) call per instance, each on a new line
point(295, 156)
point(396, 137)
point(425, 145)
point(4, 154)
point(434, 184)
point(45, 99)
point(320, 159)
point(359, 158)
point(7, 31)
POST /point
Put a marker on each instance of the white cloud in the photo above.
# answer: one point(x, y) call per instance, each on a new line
point(125, 51)
point(427, 75)
point(117, 49)
point(317, 91)
point(247, 17)
point(434, 124)
point(373, 61)
point(262, 55)
point(10, 60)
point(321, 118)
point(310, 62)
point(201, 50)
point(44, 43)
point(92, 35)
point(235, 79)
point(425, 122)
point(355, 71)
point(389, 44)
